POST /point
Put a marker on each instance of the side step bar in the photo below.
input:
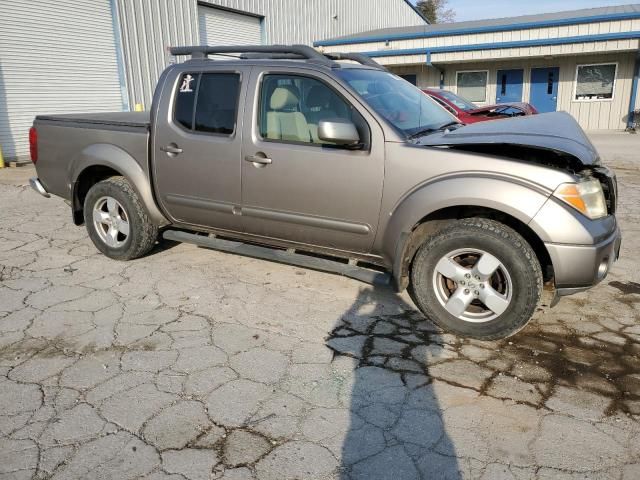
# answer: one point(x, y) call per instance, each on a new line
point(365, 275)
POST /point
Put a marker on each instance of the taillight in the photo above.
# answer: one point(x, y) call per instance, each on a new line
point(33, 144)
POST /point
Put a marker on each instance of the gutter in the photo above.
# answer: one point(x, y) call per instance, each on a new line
point(429, 64)
point(500, 45)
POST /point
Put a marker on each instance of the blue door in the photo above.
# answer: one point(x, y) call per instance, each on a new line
point(509, 86)
point(544, 88)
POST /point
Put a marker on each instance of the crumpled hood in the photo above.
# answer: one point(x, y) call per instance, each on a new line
point(556, 131)
point(525, 107)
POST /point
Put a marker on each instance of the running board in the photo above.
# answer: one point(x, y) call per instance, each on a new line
point(288, 257)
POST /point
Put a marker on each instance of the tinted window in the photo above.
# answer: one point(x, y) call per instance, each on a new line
point(185, 97)
point(291, 108)
point(217, 103)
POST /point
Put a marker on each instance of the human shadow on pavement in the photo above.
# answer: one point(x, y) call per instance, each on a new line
point(396, 429)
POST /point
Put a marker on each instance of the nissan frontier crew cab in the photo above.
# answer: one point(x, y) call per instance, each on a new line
point(329, 161)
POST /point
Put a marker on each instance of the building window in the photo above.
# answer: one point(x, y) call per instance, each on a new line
point(472, 85)
point(411, 78)
point(595, 82)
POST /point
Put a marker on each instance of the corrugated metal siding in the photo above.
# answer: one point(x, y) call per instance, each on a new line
point(222, 27)
point(304, 21)
point(147, 28)
point(55, 57)
point(592, 115)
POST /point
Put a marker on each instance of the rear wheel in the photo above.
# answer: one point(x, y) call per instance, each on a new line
point(116, 221)
point(477, 278)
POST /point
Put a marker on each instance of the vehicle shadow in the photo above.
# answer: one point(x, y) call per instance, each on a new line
point(396, 429)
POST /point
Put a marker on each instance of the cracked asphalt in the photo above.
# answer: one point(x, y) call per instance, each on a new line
point(193, 364)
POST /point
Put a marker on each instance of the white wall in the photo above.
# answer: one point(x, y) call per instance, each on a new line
point(592, 115)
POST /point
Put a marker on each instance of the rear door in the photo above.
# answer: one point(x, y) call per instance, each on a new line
point(196, 146)
point(307, 191)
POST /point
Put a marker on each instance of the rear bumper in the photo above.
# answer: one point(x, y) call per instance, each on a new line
point(38, 187)
point(579, 267)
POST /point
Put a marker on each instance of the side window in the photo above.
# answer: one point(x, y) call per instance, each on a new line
point(217, 103)
point(291, 107)
point(208, 102)
point(185, 100)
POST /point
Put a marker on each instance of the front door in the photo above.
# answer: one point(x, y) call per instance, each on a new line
point(544, 88)
point(298, 188)
point(197, 144)
point(509, 86)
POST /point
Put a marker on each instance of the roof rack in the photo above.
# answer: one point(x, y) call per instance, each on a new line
point(276, 52)
point(302, 51)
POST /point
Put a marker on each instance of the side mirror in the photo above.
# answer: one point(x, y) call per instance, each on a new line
point(338, 131)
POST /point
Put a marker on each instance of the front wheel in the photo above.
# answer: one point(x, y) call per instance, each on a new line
point(116, 221)
point(477, 278)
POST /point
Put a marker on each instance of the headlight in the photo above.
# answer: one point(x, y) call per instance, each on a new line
point(585, 196)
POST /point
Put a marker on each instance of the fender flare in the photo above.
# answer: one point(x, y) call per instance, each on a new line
point(116, 158)
point(512, 196)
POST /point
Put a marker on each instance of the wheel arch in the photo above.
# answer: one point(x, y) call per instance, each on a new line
point(511, 203)
point(439, 219)
point(100, 161)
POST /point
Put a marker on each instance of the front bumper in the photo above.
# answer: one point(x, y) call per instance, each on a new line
point(579, 267)
point(38, 187)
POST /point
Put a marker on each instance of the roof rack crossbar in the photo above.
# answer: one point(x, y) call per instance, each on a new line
point(303, 51)
point(356, 57)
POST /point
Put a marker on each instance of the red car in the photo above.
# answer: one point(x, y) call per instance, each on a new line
point(468, 112)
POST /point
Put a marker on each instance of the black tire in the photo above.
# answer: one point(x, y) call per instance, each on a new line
point(142, 232)
point(506, 245)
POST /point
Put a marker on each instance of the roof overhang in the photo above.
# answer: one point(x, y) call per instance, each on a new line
point(511, 49)
point(509, 26)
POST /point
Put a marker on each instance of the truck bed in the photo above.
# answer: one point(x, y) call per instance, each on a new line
point(119, 119)
point(68, 143)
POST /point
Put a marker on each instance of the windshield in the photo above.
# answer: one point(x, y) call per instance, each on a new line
point(406, 107)
point(460, 102)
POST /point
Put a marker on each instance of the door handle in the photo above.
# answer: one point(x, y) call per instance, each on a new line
point(256, 160)
point(171, 149)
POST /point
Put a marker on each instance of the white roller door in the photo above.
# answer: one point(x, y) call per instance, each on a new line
point(55, 57)
point(222, 27)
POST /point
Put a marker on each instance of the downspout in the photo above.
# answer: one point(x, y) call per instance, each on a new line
point(634, 93)
point(115, 21)
point(429, 64)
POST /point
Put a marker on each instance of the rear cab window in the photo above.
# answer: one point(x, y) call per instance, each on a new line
point(207, 102)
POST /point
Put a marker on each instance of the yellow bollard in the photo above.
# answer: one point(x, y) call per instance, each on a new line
point(1, 158)
point(138, 107)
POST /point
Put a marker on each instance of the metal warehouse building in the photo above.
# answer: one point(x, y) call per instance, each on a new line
point(106, 55)
point(584, 62)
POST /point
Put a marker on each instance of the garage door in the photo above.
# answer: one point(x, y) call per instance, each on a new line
point(222, 27)
point(56, 57)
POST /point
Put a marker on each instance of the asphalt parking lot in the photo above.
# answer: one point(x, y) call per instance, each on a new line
point(193, 364)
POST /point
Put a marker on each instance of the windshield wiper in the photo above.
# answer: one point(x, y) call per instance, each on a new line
point(419, 133)
point(449, 124)
point(425, 131)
